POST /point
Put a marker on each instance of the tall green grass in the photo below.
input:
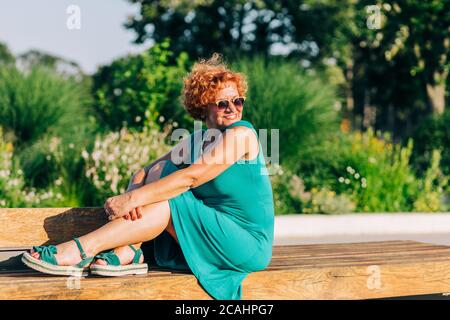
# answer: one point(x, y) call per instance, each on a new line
point(282, 96)
point(37, 102)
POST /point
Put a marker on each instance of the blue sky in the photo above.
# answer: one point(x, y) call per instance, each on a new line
point(42, 24)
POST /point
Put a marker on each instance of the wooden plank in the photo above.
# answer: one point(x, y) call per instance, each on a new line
point(295, 256)
point(149, 286)
point(351, 282)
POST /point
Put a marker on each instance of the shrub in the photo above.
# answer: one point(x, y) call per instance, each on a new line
point(141, 88)
point(377, 173)
point(282, 96)
point(284, 202)
point(38, 102)
point(432, 133)
point(116, 156)
point(13, 192)
point(432, 194)
point(290, 196)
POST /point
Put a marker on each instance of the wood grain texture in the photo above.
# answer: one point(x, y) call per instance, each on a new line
point(353, 282)
point(323, 271)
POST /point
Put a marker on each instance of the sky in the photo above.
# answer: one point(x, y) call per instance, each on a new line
point(93, 37)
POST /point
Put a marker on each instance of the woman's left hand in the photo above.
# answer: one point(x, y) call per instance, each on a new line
point(118, 206)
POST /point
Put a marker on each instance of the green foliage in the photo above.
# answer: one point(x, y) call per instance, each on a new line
point(300, 105)
point(38, 102)
point(377, 173)
point(200, 27)
point(13, 191)
point(432, 133)
point(432, 193)
point(58, 158)
point(374, 171)
point(139, 89)
point(285, 202)
point(6, 57)
point(290, 196)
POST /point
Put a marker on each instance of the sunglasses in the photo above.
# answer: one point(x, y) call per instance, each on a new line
point(223, 104)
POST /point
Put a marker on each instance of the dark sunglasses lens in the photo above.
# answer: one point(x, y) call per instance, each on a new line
point(239, 102)
point(222, 104)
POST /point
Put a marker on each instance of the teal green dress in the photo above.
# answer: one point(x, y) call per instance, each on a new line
point(224, 227)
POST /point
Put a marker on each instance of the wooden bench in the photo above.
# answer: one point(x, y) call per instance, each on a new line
point(325, 271)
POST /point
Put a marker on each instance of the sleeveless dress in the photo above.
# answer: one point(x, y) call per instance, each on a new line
point(224, 226)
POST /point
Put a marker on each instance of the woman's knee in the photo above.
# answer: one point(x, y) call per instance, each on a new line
point(155, 172)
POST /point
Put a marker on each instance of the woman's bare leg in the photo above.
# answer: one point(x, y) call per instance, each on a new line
point(117, 233)
point(124, 253)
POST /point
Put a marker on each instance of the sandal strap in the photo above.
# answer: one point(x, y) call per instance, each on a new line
point(83, 254)
point(85, 259)
point(137, 254)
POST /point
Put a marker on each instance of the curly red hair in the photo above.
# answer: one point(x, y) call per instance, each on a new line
point(206, 78)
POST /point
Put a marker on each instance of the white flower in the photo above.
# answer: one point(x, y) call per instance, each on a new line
point(347, 181)
point(356, 175)
point(350, 170)
point(58, 181)
point(96, 155)
point(341, 179)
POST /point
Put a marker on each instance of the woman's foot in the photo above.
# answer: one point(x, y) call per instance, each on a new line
point(68, 253)
point(125, 255)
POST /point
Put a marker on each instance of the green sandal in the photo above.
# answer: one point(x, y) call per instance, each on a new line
point(47, 261)
point(115, 269)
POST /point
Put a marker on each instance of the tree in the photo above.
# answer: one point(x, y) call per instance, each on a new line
point(390, 76)
point(138, 89)
point(200, 27)
point(6, 57)
point(422, 29)
point(33, 58)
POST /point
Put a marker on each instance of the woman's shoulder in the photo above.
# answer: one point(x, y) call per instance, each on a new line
point(244, 123)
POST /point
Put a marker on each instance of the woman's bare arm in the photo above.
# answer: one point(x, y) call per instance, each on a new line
point(230, 147)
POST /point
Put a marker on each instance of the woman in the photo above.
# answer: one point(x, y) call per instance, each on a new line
point(212, 213)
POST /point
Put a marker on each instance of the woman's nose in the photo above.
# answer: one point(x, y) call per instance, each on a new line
point(231, 108)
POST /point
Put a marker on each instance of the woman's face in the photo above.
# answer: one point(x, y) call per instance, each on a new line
point(217, 118)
